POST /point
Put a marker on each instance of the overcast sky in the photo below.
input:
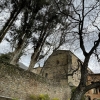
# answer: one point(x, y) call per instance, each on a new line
point(93, 65)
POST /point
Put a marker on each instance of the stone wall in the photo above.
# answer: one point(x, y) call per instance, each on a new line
point(18, 83)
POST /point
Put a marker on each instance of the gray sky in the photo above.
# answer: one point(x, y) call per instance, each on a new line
point(93, 64)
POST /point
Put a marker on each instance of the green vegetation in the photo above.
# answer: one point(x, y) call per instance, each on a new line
point(55, 99)
point(32, 97)
point(39, 97)
point(43, 97)
point(73, 89)
point(14, 99)
point(5, 57)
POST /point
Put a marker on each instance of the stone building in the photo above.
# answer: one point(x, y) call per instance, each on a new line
point(59, 65)
point(93, 94)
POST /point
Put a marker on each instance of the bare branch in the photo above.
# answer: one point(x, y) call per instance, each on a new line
point(66, 14)
point(79, 65)
point(91, 86)
point(76, 12)
point(96, 43)
point(95, 6)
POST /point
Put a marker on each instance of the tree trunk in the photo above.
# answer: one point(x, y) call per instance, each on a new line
point(80, 90)
point(77, 94)
point(33, 59)
point(17, 53)
point(32, 64)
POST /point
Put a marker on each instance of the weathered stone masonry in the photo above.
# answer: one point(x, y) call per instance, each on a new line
point(18, 83)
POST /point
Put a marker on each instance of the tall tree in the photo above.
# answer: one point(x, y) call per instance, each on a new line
point(16, 8)
point(26, 29)
point(22, 34)
point(44, 30)
point(41, 19)
point(50, 21)
point(9, 22)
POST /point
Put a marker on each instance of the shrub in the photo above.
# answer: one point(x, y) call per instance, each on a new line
point(55, 99)
point(5, 57)
point(39, 97)
point(43, 97)
point(33, 97)
point(72, 89)
point(14, 99)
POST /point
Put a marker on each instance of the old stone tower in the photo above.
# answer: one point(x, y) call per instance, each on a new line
point(59, 67)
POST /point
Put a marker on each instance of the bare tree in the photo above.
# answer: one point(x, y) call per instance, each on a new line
point(25, 31)
point(83, 15)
